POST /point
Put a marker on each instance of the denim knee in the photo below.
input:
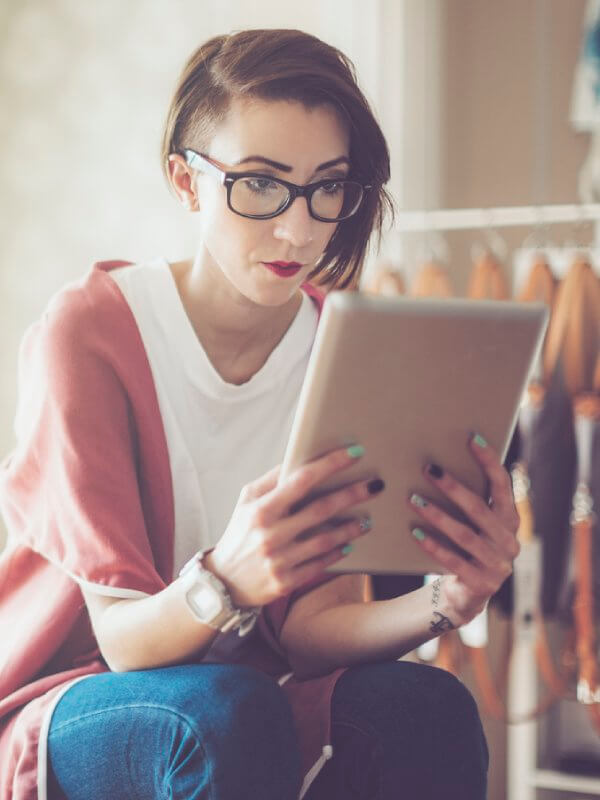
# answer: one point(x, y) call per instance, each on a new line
point(196, 731)
point(420, 724)
point(251, 739)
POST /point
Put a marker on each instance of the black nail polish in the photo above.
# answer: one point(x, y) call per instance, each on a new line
point(435, 471)
point(375, 486)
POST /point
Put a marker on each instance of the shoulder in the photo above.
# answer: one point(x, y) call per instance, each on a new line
point(86, 327)
point(85, 306)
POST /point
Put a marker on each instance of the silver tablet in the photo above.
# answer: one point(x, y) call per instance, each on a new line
point(409, 379)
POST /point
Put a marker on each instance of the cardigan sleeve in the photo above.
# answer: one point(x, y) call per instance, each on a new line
point(70, 490)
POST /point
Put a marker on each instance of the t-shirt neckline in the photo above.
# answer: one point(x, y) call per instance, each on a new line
point(292, 347)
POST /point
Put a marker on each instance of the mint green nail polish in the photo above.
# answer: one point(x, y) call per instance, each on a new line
point(418, 534)
point(419, 501)
point(479, 440)
point(347, 549)
point(356, 451)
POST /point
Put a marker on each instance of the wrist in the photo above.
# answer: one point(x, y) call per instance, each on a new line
point(210, 563)
point(445, 615)
point(452, 601)
point(209, 599)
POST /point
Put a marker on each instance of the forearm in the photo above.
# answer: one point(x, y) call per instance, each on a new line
point(355, 633)
point(155, 631)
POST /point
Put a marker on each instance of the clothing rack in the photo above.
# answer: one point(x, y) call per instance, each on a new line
point(471, 218)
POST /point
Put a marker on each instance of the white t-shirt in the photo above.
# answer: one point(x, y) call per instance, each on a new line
point(219, 435)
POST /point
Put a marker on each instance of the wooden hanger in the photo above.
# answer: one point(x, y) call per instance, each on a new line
point(487, 281)
point(386, 281)
point(573, 335)
point(541, 284)
point(432, 280)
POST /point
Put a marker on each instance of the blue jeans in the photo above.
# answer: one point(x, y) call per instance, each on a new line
point(225, 732)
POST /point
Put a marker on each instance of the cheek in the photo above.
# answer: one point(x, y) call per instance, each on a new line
point(232, 240)
point(325, 235)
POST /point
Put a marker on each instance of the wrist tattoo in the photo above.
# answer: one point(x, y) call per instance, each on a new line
point(436, 588)
point(439, 623)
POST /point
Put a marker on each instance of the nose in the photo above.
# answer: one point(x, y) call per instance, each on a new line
point(295, 225)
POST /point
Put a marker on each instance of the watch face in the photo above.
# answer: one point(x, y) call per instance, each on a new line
point(205, 600)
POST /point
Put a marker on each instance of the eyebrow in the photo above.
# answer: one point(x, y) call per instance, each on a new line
point(287, 168)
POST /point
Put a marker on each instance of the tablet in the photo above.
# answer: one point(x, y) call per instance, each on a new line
point(409, 379)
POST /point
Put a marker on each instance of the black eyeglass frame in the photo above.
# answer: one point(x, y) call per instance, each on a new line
point(201, 162)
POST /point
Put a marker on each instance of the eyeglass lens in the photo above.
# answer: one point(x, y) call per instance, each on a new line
point(262, 196)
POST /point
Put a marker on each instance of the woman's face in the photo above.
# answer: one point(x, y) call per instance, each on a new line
point(300, 141)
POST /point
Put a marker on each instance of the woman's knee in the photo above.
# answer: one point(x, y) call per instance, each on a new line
point(411, 717)
point(410, 701)
point(249, 733)
point(194, 731)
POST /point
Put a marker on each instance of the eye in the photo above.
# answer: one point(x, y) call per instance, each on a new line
point(261, 185)
point(332, 188)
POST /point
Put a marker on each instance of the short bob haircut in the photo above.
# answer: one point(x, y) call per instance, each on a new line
point(287, 65)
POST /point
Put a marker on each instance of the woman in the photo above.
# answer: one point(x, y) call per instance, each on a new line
point(175, 635)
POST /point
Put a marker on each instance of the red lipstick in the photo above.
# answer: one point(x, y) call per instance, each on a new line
point(285, 269)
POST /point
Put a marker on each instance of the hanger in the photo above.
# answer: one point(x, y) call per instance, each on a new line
point(387, 280)
point(487, 281)
point(573, 336)
point(432, 278)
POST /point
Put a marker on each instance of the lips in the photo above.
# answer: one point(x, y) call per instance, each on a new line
point(285, 269)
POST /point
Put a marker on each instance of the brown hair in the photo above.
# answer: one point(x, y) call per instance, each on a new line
point(287, 65)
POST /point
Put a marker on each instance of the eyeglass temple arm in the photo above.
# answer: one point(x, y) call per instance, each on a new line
point(196, 161)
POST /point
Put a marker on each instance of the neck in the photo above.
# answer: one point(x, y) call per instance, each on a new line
point(237, 334)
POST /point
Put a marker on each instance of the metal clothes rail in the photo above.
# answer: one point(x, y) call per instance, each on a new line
point(472, 218)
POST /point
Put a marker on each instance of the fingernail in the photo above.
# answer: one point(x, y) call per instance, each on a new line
point(347, 549)
point(479, 440)
point(418, 501)
point(356, 451)
point(435, 471)
point(418, 534)
point(365, 524)
point(375, 486)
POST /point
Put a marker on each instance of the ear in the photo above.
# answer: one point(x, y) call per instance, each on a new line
point(181, 177)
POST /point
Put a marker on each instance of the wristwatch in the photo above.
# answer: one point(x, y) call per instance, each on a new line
point(209, 600)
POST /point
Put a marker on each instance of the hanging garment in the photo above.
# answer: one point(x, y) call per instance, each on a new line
point(585, 551)
point(541, 284)
point(487, 281)
point(387, 281)
point(432, 280)
point(549, 446)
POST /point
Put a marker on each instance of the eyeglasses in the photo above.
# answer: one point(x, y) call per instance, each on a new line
point(259, 196)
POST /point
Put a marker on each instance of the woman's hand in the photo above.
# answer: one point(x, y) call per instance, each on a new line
point(490, 541)
point(260, 558)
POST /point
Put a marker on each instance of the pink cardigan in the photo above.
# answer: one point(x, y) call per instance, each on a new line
point(87, 493)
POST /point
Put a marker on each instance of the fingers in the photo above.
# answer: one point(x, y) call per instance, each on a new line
point(483, 582)
point(278, 502)
point(323, 543)
point(309, 570)
point(500, 524)
point(262, 485)
point(479, 547)
point(500, 483)
point(323, 509)
point(492, 546)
